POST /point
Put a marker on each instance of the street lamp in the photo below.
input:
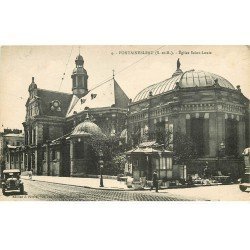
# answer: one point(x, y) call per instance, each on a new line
point(101, 166)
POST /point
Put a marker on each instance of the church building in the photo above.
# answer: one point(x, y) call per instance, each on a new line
point(203, 106)
point(54, 119)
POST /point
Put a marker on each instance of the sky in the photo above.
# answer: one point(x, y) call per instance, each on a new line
point(133, 72)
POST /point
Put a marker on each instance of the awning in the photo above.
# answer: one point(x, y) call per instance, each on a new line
point(147, 144)
point(11, 147)
point(11, 171)
point(147, 150)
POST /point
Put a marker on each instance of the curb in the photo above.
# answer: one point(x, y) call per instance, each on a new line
point(109, 189)
point(117, 189)
point(98, 188)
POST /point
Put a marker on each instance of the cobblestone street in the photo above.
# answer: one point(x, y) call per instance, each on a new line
point(35, 190)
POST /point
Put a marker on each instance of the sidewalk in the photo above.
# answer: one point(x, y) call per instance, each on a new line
point(109, 184)
point(212, 193)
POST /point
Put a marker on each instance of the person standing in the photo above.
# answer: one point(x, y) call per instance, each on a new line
point(30, 173)
point(155, 182)
point(206, 171)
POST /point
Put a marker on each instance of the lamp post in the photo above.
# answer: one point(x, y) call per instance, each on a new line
point(101, 166)
point(147, 176)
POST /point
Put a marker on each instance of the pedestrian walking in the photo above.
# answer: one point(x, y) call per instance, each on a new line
point(155, 182)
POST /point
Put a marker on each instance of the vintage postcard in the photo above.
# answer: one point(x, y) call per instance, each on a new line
point(125, 123)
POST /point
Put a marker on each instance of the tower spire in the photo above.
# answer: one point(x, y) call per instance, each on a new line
point(79, 77)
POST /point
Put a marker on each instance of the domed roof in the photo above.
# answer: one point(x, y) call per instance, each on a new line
point(191, 78)
point(79, 58)
point(86, 128)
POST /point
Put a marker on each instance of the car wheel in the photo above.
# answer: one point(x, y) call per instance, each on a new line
point(243, 188)
point(3, 191)
point(21, 190)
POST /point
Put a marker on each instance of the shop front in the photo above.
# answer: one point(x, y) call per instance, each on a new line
point(145, 159)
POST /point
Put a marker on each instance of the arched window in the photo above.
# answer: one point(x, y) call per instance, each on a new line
point(74, 82)
point(80, 81)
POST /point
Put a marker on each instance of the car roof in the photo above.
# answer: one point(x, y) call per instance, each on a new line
point(11, 171)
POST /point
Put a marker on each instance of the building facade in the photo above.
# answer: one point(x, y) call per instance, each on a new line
point(52, 116)
point(202, 105)
point(11, 140)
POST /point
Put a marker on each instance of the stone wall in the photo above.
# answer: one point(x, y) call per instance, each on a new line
point(55, 131)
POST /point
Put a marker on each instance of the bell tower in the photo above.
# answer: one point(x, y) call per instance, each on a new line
point(79, 78)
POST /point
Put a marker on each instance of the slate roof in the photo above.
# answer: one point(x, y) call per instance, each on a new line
point(108, 94)
point(48, 96)
point(73, 102)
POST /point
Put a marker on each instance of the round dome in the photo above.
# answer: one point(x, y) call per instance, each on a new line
point(192, 78)
point(86, 128)
point(79, 58)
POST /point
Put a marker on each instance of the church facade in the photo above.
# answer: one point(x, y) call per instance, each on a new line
point(201, 105)
point(52, 116)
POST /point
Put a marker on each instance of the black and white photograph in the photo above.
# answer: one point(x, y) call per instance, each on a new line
point(125, 123)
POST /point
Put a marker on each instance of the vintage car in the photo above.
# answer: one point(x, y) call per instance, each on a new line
point(245, 180)
point(11, 181)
